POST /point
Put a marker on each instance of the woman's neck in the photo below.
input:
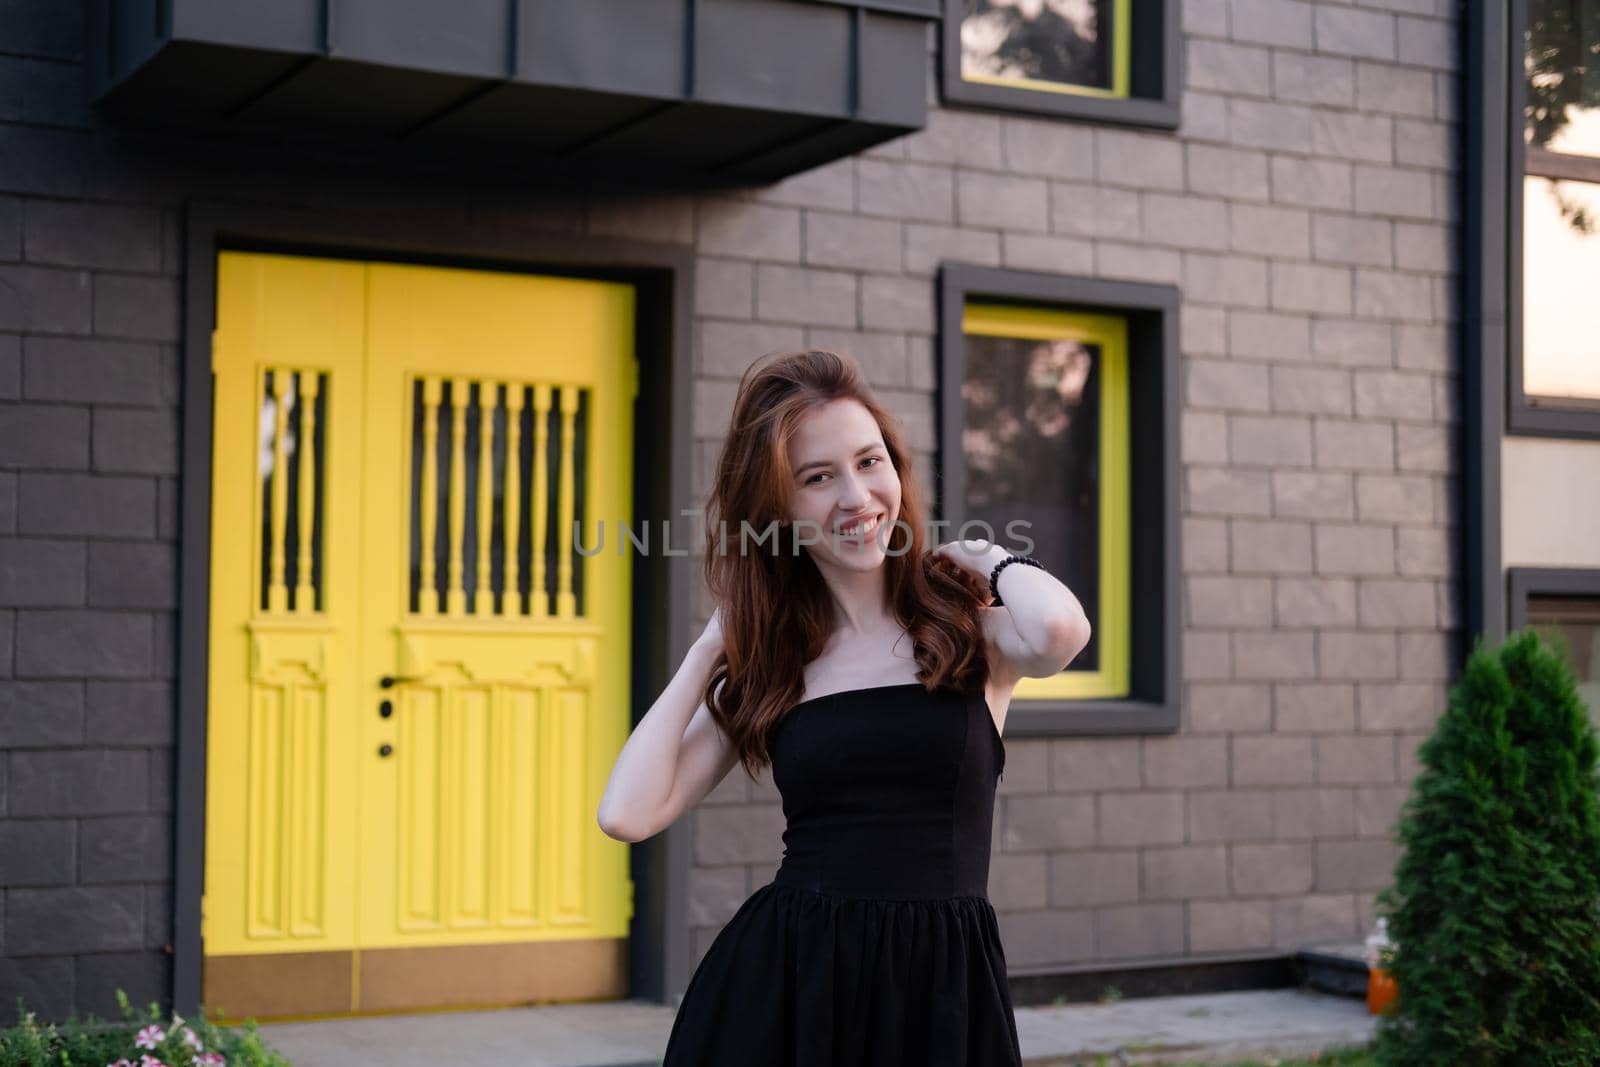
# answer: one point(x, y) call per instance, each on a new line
point(860, 602)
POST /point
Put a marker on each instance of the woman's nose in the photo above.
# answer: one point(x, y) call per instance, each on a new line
point(852, 493)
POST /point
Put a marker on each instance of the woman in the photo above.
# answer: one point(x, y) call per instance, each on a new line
point(874, 676)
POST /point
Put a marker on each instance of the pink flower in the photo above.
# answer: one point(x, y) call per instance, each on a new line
point(150, 1037)
point(209, 1059)
point(150, 1061)
point(192, 1039)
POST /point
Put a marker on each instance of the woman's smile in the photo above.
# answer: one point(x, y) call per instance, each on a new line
point(861, 528)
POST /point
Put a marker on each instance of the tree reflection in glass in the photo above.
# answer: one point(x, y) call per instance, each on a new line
point(1031, 436)
point(1562, 67)
point(1062, 41)
point(1561, 203)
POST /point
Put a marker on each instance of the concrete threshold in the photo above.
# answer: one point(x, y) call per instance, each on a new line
point(1203, 1028)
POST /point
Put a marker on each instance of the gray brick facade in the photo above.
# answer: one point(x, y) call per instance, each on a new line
point(1306, 210)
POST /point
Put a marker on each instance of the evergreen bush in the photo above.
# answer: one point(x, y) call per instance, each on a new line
point(1495, 906)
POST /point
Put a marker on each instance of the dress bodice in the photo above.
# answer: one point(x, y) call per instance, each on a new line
point(888, 792)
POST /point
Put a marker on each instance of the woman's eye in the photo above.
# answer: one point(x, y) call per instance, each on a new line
point(872, 459)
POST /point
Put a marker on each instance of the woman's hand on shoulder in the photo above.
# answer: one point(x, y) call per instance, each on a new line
point(1010, 657)
point(976, 556)
point(1012, 653)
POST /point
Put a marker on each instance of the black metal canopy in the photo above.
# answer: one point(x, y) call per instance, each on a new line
point(696, 90)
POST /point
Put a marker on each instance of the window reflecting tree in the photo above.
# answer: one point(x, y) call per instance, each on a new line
point(1561, 202)
point(1561, 107)
point(1562, 67)
point(1031, 435)
point(1063, 41)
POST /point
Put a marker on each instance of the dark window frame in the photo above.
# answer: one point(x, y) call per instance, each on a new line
point(1156, 638)
point(1525, 582)
point(1155, 75)
point(1523, 416)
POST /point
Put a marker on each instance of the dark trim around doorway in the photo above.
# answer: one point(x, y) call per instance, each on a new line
point(660, 952)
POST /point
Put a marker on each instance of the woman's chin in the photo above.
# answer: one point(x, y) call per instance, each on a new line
point(860, 557)
point(845, 559)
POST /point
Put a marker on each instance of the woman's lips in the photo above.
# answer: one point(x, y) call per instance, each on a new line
point(869, 526)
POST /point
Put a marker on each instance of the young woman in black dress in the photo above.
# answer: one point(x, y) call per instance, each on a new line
point(873, 674)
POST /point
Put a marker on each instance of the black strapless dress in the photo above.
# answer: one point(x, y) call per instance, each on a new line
point(875, 943)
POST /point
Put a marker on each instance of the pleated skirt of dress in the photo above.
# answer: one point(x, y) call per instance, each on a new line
point(799, 978)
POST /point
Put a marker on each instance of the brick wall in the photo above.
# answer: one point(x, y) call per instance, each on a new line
point(1306, 210)
point(88, 507)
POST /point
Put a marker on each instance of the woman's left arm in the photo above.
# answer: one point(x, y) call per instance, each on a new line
point(1046, 617)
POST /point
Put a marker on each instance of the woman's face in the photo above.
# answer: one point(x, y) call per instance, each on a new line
point(842, 475)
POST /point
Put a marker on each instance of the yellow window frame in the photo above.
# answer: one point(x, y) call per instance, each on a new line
point(1113, 626)
point(1121, 64)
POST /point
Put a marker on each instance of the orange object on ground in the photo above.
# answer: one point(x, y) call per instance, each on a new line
point(1382, 991)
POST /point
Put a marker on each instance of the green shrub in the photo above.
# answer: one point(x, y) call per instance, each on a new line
point(93, 1043)
point(1495, 907)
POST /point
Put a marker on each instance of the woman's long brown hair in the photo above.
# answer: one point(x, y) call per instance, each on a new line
point(777, 612)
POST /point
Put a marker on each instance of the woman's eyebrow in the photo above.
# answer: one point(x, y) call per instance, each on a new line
point(828, 462)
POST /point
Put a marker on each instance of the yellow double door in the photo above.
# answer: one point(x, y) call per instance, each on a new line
point(418, 670)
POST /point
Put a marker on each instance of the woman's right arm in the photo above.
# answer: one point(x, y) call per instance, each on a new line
point(675, 755)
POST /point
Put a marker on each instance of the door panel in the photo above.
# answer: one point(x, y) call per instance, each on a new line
point(497, 838)
point(280, 784)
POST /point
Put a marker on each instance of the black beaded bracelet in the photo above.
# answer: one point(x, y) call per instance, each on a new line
point(994, 575)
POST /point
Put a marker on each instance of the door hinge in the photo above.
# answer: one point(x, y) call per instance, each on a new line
point(628, 911)
point(634, 365)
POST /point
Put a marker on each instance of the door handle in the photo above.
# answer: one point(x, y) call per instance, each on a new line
point(389, 680)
